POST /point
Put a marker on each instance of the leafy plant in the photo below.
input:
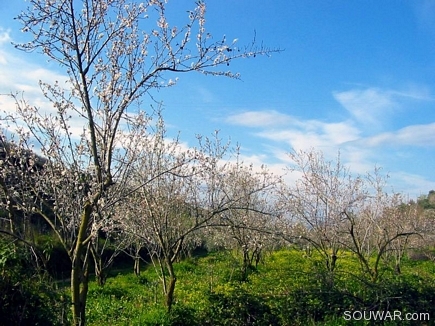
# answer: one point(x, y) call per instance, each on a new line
point(26, 297)
point(238, 307)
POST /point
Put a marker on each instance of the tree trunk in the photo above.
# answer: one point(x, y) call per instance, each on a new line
point(80, 271)
point(397, 268)
point(100, 274)
point(100, 269)
point(257, 256)
point(245, 266)
point(169, 299)
point(137, 266)
point(79, 289)
point(331, 262)
point(11, 223)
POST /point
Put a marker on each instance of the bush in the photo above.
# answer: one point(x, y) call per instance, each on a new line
point(237, 308)
point(182, 315)
point(59, 264)
point(26, 296)
point(310, 303)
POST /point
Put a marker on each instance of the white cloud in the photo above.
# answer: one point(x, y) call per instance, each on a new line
point(410, 184)
point(299, 134)
point(367, 106)
point(19, 75)
point(372, 106)
point(358, 152)
point(414, 92)
point(415, 135)
point(313, 133)
point(4, 38)
point(205, 94)
point(265, 118)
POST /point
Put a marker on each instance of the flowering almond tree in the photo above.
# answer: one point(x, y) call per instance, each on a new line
point(324, 191)
point(157, 217)
point(335, 210)
point(249, 225)
point(381, 227)
point(186, 190)
point(111, 63)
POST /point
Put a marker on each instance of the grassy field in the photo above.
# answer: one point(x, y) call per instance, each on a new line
point(287, 288)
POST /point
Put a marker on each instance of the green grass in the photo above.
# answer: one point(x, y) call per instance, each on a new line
point(289, 288)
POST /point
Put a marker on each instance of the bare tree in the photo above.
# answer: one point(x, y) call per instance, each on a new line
point(66, 193)
point(158, 216)
point(111, 63)
point(403, 220)
point(249, 227)
point(164, 215)
point(425, 243)
point(188, 190)
point(382, 227)
point(336, 210)
point(316, 203)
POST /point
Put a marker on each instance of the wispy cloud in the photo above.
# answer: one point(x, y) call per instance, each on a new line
point(372, 106)
point(4, 36)
point(205, 94)
point(367, 106)
point(362, 147)
point(20, 75)
point(299, 134)
point(4, 39)
point(414, 92)
point(413, 183)
point(414, 135)
point(266, 118)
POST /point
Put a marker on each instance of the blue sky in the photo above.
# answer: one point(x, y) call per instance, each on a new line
point(355, 76)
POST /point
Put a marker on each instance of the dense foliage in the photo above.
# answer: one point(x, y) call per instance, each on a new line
point(27, 296)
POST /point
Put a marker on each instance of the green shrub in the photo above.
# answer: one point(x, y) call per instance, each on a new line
point(237, 308)
point(182, 315)
point(188, 265)
point(26, 296)
point(59, 264)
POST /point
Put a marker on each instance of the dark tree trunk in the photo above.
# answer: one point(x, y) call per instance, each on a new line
point(169, 299)
point(136, 266)
point(80, 271)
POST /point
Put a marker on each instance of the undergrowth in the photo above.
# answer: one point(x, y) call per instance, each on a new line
point(288, 289)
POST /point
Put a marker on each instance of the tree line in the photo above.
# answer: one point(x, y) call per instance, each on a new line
point(176, 199)
point(106, 173)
